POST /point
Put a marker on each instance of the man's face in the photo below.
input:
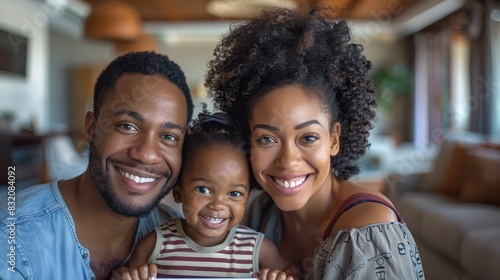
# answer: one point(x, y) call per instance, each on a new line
point(136, 143)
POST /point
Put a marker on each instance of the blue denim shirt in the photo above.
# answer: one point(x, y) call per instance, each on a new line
point(46, 245)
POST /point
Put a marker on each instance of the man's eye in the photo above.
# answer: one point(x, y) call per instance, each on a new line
point(170, 137)
point(126, 127)
point(203, 190)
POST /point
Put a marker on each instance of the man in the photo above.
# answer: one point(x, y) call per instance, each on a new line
point(85, 227)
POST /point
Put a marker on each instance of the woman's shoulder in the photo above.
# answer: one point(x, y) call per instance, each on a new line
point(360, 206)
point(348, 188)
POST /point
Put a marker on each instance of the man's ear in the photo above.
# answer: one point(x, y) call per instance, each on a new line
point(176, 192)
point(90, 123)
point(335, 139)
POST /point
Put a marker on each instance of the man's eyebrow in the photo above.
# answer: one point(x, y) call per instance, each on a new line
point(171, 125)
point(139, 117)
point(133, 114)
point(302, 125)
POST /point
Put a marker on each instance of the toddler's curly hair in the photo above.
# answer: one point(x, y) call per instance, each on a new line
point(311, 50)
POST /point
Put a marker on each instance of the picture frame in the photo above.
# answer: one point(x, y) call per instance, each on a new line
point(13, 53)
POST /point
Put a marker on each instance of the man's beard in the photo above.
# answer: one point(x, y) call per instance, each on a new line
point(102, 181)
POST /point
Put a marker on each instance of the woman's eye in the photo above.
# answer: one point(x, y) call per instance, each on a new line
point(265, 139)
point(310, 137)
point(203, 190)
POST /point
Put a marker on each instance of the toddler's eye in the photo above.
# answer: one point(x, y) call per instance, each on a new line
point(203, 190)
point(235, 194)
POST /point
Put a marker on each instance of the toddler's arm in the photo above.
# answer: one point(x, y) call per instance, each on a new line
point(141, 272)
point(273, 265)
point(136, 267)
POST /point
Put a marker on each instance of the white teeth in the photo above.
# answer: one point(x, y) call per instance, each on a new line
point(214, 220)
point(290, 184)
point(135, 178)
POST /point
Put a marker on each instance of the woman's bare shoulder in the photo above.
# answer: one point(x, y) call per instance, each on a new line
point(362, 214)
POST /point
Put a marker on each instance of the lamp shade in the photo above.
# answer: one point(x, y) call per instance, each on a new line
point(113, 20)
point(144, 42)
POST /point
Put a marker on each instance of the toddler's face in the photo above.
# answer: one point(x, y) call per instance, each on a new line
point(213, 193)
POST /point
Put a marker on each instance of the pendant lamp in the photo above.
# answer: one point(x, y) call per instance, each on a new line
point(113, 20)
point(144, 42)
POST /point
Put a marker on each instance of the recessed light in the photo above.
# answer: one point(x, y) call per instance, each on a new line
point(245, 8)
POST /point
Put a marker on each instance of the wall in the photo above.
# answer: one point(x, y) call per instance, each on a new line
point(27, 96)
point(69, 52)
point(192, 56)
point(66, 54)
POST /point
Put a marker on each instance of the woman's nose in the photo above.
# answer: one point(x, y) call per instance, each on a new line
point(289, 155)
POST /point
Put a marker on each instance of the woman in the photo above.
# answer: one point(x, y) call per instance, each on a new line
point(301, 92)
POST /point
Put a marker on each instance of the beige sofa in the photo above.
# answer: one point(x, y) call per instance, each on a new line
point(453, 211)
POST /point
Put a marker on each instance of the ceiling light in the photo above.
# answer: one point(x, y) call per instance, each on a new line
point(245, 8)
point(113, 20)
point(495, 15)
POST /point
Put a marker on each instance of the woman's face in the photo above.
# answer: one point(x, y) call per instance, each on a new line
point(291, 146)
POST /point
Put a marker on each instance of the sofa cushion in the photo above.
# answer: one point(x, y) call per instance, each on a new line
point(447, 162)
point(412, 206)
point(481, 253)
point(445, 226)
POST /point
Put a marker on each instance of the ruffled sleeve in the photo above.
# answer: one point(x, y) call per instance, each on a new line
point(380, 251)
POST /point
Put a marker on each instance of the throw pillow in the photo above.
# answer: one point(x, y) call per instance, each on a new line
point(433, 179)
point(481, 176)
point(452, 178)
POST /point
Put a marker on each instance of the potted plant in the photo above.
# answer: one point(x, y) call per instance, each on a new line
point(7, 119)
point(393, 84)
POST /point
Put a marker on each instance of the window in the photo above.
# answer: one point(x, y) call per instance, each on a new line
point(495, 49)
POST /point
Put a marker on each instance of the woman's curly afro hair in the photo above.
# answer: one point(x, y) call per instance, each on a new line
point(310, 50)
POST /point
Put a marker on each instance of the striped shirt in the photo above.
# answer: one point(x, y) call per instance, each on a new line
point(177, 255)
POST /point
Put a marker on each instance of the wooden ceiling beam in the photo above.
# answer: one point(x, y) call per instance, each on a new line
point(195, 10)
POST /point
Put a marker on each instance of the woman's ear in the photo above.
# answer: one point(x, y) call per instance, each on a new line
point(90, 123)
point(335, 139)
point(177, 193)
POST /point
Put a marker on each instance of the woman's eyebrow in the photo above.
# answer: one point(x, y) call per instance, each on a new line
point(267, 127)
point(302, 125)
point(297, 127)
